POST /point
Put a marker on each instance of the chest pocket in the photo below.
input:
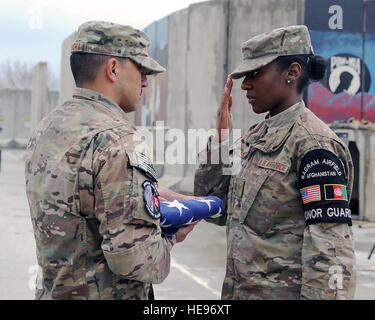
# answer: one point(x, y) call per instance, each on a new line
point(263, 194)
point(264, 174)
point(250, 192)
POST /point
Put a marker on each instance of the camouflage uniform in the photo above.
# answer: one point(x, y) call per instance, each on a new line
point(85, 165)
point(284, 243)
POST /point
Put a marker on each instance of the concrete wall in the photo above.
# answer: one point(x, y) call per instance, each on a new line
point(205, 72)
point(176, 112)
point(247, 19)
point(15, 115)
point(67, 83)
point(12, 102)
point(38, 95)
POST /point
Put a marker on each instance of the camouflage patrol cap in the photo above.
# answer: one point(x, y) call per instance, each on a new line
point(266, 47)
point(112, 39)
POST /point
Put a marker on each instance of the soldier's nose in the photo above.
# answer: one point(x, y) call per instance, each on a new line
point(246, 85)
point(144, 81)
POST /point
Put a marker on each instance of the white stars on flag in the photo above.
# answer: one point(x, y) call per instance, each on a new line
point(208, 202)
point(176, 204)
point(164, 225)
point(216, 215)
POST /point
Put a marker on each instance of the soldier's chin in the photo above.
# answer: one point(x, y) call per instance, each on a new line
point(131, 108)
point(256, 109)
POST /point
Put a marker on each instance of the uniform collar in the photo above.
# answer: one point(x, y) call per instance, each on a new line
point(283, 119)
point(113, 107)
point(269, 135)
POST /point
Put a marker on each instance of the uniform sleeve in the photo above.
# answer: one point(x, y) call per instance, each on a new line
point(132, 242)
point(209, 179)
point(328, 248)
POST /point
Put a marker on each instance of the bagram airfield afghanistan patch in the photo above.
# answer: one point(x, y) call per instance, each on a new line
point(322, 185)
point(150, 195)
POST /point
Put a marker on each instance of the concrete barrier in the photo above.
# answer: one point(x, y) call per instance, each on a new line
point(67, 83)
point(176, 112)
point(38, 95)
point(248, 18)
point(10, 100)
point(205, 72)
point(15, 113)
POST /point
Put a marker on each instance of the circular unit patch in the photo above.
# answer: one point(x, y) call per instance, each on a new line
point(150, 195)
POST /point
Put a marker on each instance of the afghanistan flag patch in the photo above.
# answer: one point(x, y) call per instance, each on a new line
point(335, 192)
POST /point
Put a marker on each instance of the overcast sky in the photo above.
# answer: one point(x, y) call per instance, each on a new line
point(33, 30)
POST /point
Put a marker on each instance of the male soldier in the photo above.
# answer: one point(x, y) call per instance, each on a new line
point(87, 175)
point(288, 216)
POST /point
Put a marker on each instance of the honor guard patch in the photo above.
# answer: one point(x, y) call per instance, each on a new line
point(145, 164)
point(322, 184)
point(150, 195)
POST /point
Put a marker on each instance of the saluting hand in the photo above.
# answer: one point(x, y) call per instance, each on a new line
point(224, 121)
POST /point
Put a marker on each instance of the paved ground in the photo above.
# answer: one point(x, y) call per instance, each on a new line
point(198, 264)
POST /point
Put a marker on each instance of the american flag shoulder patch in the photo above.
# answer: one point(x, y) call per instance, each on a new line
point(310, 194)
point(145, 164)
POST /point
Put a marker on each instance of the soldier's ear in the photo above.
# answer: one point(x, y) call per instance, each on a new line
point(294, 72)
point(111, 69)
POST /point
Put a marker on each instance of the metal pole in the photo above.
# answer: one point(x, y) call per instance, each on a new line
point(372, 250)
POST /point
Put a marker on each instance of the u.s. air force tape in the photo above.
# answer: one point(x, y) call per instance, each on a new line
point(322, 184)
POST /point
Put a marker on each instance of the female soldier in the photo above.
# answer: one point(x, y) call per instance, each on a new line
point(288, 217)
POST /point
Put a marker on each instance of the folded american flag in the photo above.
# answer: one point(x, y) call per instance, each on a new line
point(175, 214)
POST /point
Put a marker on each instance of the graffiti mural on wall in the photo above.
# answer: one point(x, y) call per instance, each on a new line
point(153, 104)
point(336, 34)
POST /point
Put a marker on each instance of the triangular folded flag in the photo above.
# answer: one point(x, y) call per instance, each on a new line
point(178, 213)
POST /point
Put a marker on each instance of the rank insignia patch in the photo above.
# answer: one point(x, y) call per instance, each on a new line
point(150, 195)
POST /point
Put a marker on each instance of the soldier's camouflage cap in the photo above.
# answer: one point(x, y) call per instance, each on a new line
point(266, 47)
point(112, 39)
